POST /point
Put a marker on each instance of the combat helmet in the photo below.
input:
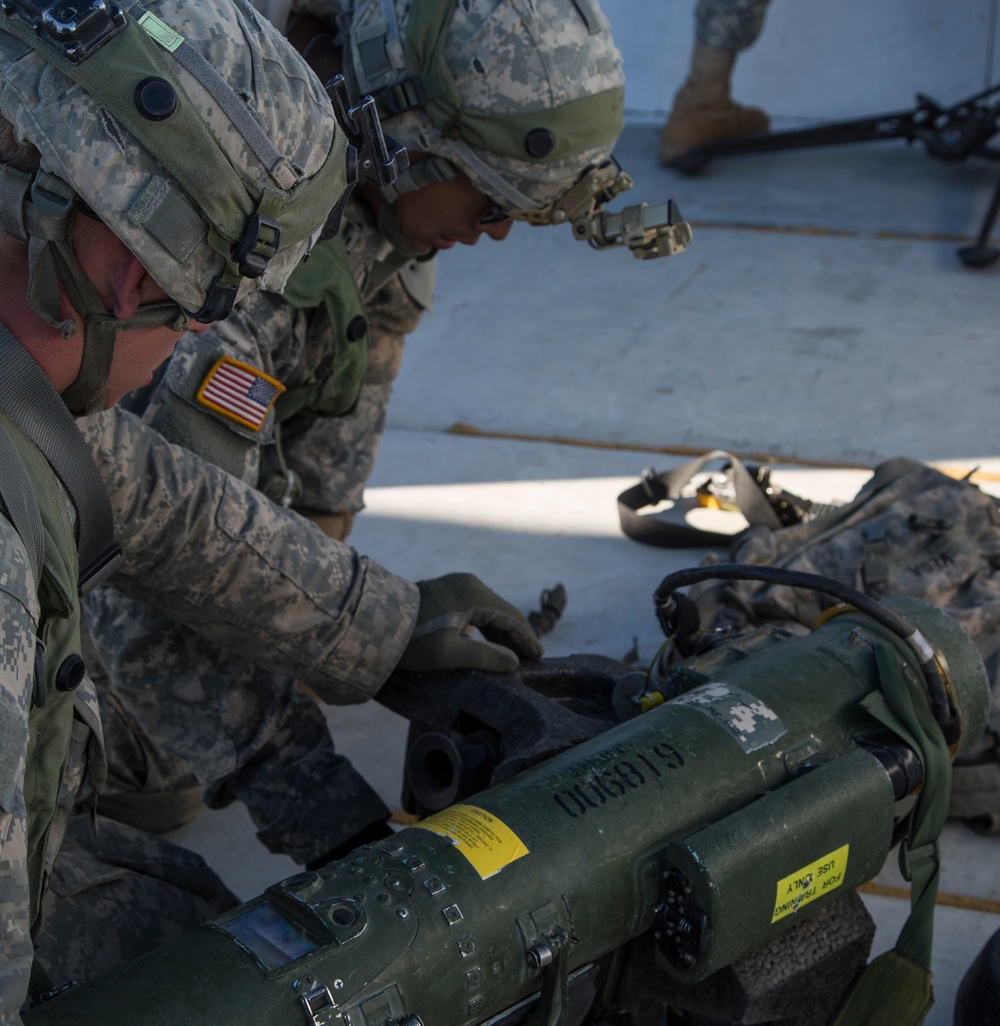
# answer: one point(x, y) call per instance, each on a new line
point(191, 128)
point(521, 95)
point(524, 96)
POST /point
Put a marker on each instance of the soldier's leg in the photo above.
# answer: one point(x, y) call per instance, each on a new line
point(115, 894)
point(147, 786)
point(194, 715)
point(703, 109)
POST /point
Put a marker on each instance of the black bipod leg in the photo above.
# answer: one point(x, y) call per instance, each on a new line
point(981, 253)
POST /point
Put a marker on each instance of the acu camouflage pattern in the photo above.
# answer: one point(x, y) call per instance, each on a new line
point(213, 553)
point(117, 893)
point(19, 613)
point(506, 57)
point(201, 716)
point(48, 750)
point(186, 720)
point(911, 530)
point(134, 195)
point(729, 24)
point(330, 459)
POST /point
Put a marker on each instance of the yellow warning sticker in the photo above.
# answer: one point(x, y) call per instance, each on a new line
point(810, 882)
point(488, 843)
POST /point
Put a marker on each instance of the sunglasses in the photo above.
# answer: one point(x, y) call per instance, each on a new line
point(497, 214)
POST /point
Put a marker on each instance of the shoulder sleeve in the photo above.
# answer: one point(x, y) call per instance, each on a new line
point(215, 554)
point(334, 456)
point(19, 613)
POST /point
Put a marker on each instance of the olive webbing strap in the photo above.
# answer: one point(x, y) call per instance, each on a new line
point(39, 982)
point(18, 496)
point(28, 398)
point(895, 989)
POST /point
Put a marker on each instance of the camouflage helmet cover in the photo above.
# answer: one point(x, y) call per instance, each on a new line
point(522, 95)
point(180, 218)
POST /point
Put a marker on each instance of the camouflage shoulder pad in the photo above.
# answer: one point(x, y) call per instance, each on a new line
point(325, 282)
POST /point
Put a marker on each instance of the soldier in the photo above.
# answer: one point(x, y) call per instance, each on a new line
point(504, 117)
point(703, 110)
point(153, 168)
point(93, 299)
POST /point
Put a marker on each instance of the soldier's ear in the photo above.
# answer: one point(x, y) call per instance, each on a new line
point(131, 286)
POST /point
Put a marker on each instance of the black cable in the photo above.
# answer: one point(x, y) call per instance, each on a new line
point(674, 615)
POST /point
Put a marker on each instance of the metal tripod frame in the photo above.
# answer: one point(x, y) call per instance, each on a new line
point(948, 133)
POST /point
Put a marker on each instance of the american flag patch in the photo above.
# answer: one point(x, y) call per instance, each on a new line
point(239, 391)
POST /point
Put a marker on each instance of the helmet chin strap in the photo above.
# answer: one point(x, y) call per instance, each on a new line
point(52, 261)
point(387, 222)
point(100, 331)
point(55, 262)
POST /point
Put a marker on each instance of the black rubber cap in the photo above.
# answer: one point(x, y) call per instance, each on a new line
point(155, 99)
point(539, 142)
point(357, 328)
point(70, 674)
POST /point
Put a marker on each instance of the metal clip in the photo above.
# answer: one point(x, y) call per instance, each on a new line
point(380, 157)
point(75, 30)
point(319, 1005)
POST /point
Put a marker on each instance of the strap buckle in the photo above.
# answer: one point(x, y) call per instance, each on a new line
point(259, 242)
point(910, 858)
point(654, 488)
point(100, 569)
point(406, 94)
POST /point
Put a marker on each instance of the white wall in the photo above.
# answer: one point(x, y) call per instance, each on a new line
point(839, 59)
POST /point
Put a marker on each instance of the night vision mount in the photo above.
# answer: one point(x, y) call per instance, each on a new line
point(648, 229)
point(73, 28)
point(380, 158)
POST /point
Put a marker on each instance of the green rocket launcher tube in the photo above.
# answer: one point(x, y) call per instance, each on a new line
point(717, 820)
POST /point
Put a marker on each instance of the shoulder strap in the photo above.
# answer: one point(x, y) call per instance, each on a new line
point(895, 988)
point(655, 488)
point(28, 398)
point(325, 280)
point(19, 498)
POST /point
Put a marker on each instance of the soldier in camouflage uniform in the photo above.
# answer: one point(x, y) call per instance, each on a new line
point(92, 298)
point(129, 199)
point(543, 101)
point(703, 111)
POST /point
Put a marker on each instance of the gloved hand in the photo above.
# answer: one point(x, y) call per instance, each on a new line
point(449, 607)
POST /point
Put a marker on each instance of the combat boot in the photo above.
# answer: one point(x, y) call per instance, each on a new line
point(703, 110)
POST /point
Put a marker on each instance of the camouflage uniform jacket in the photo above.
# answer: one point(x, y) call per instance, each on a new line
point(214, 554)
point(328, 458)
point(50, 738)
point(242, 730)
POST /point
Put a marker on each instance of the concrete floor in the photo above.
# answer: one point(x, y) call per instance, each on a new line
point(820, 317)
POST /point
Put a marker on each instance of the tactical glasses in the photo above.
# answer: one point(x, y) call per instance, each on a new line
point(497, 214)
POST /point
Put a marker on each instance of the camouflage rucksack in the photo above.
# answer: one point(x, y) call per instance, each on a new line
point(911, 530)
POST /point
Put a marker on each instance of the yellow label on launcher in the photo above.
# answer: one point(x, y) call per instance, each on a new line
point(810, 882)
point(487, 842)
